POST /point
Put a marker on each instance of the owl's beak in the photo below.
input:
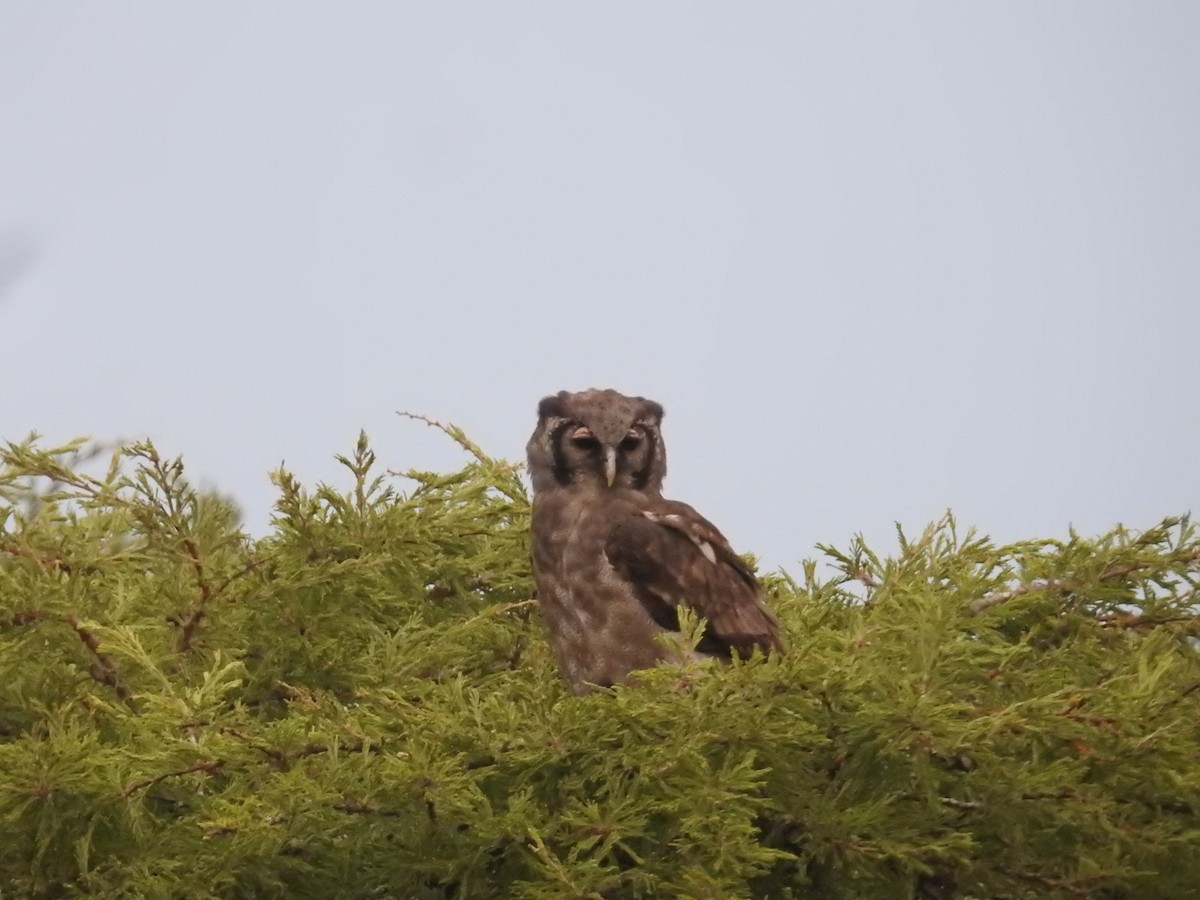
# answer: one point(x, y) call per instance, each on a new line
point(610, 465)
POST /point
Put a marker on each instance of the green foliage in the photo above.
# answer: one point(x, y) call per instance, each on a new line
point(362, 704)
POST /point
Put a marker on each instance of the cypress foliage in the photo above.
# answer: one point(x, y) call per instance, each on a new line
point(363, 704)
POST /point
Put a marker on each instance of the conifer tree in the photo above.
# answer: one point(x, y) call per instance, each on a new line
point(362, 704)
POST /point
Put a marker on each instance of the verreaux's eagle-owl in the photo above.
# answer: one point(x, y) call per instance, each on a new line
point(614, 560)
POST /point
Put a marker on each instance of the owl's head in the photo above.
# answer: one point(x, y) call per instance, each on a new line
point(599, 437)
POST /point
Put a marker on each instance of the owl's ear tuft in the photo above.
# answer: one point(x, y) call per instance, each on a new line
point(652, 410)
point(553, 406)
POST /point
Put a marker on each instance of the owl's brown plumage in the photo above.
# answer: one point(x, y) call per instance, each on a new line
point(613, 559)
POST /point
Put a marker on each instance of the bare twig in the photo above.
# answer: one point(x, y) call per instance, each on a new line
point(453, 432)
point(459, 437)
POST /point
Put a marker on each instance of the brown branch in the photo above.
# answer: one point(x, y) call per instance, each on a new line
point(103, 669)
point(187, 630)
point(1113, 572)
point(240, 573)
point(1064, 794)
point(1179, 698)
point(277, 757)
point(506, 608)
point(1076, 887)
point(28, 617)
point(363, 809)
point(955, 803)
point(44, 560)
point(189, 624)
point(318, 749)
point(166, 478)
point(210, 766)
point(283, 759)
point(1132, 620)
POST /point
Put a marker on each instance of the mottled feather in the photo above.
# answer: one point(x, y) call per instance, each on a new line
point(614, 561)
point(672, 556)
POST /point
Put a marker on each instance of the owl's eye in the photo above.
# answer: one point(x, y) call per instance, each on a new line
point(583, 438)
point(631, 440)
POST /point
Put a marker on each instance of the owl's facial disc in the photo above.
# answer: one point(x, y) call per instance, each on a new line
point(583, 438)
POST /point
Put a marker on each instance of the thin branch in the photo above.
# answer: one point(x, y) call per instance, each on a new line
point(498, 610)
point(1064, 794)
point(240, 573)
point(188, 626)
point(210, 766)
point(1132, 620)
point(278, 757)
point(1076, 887)
point(187, 630)
point(980, 604)
point(459, 437)
point(960, 804)
point(28, 617)
point(103, 669)
point(455, 434)
point(283, 760)
point(363, 809)
point(45, 560)
point(1112, 573)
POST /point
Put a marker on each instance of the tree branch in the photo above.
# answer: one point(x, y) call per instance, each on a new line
point(103, 669)
point(210, 766)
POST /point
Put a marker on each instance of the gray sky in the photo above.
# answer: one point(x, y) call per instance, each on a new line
point(875, 259)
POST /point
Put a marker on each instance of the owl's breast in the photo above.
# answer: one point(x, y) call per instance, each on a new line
point(598, 627)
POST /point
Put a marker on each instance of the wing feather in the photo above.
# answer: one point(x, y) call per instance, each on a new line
point(673, 556)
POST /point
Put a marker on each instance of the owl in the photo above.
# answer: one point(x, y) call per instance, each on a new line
point(614, 561)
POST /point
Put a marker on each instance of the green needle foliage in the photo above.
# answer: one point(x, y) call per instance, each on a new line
point(363, 704)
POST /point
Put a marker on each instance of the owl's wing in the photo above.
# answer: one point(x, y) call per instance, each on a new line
point(673, 556)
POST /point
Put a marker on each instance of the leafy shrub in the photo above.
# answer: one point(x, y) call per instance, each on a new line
point(363, 704)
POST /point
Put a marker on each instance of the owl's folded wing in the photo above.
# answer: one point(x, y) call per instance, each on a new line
point(674, 556)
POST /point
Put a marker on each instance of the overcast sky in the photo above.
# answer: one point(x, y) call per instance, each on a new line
point(875, 259)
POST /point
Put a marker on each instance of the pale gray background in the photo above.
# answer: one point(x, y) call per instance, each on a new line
point(875, 259)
